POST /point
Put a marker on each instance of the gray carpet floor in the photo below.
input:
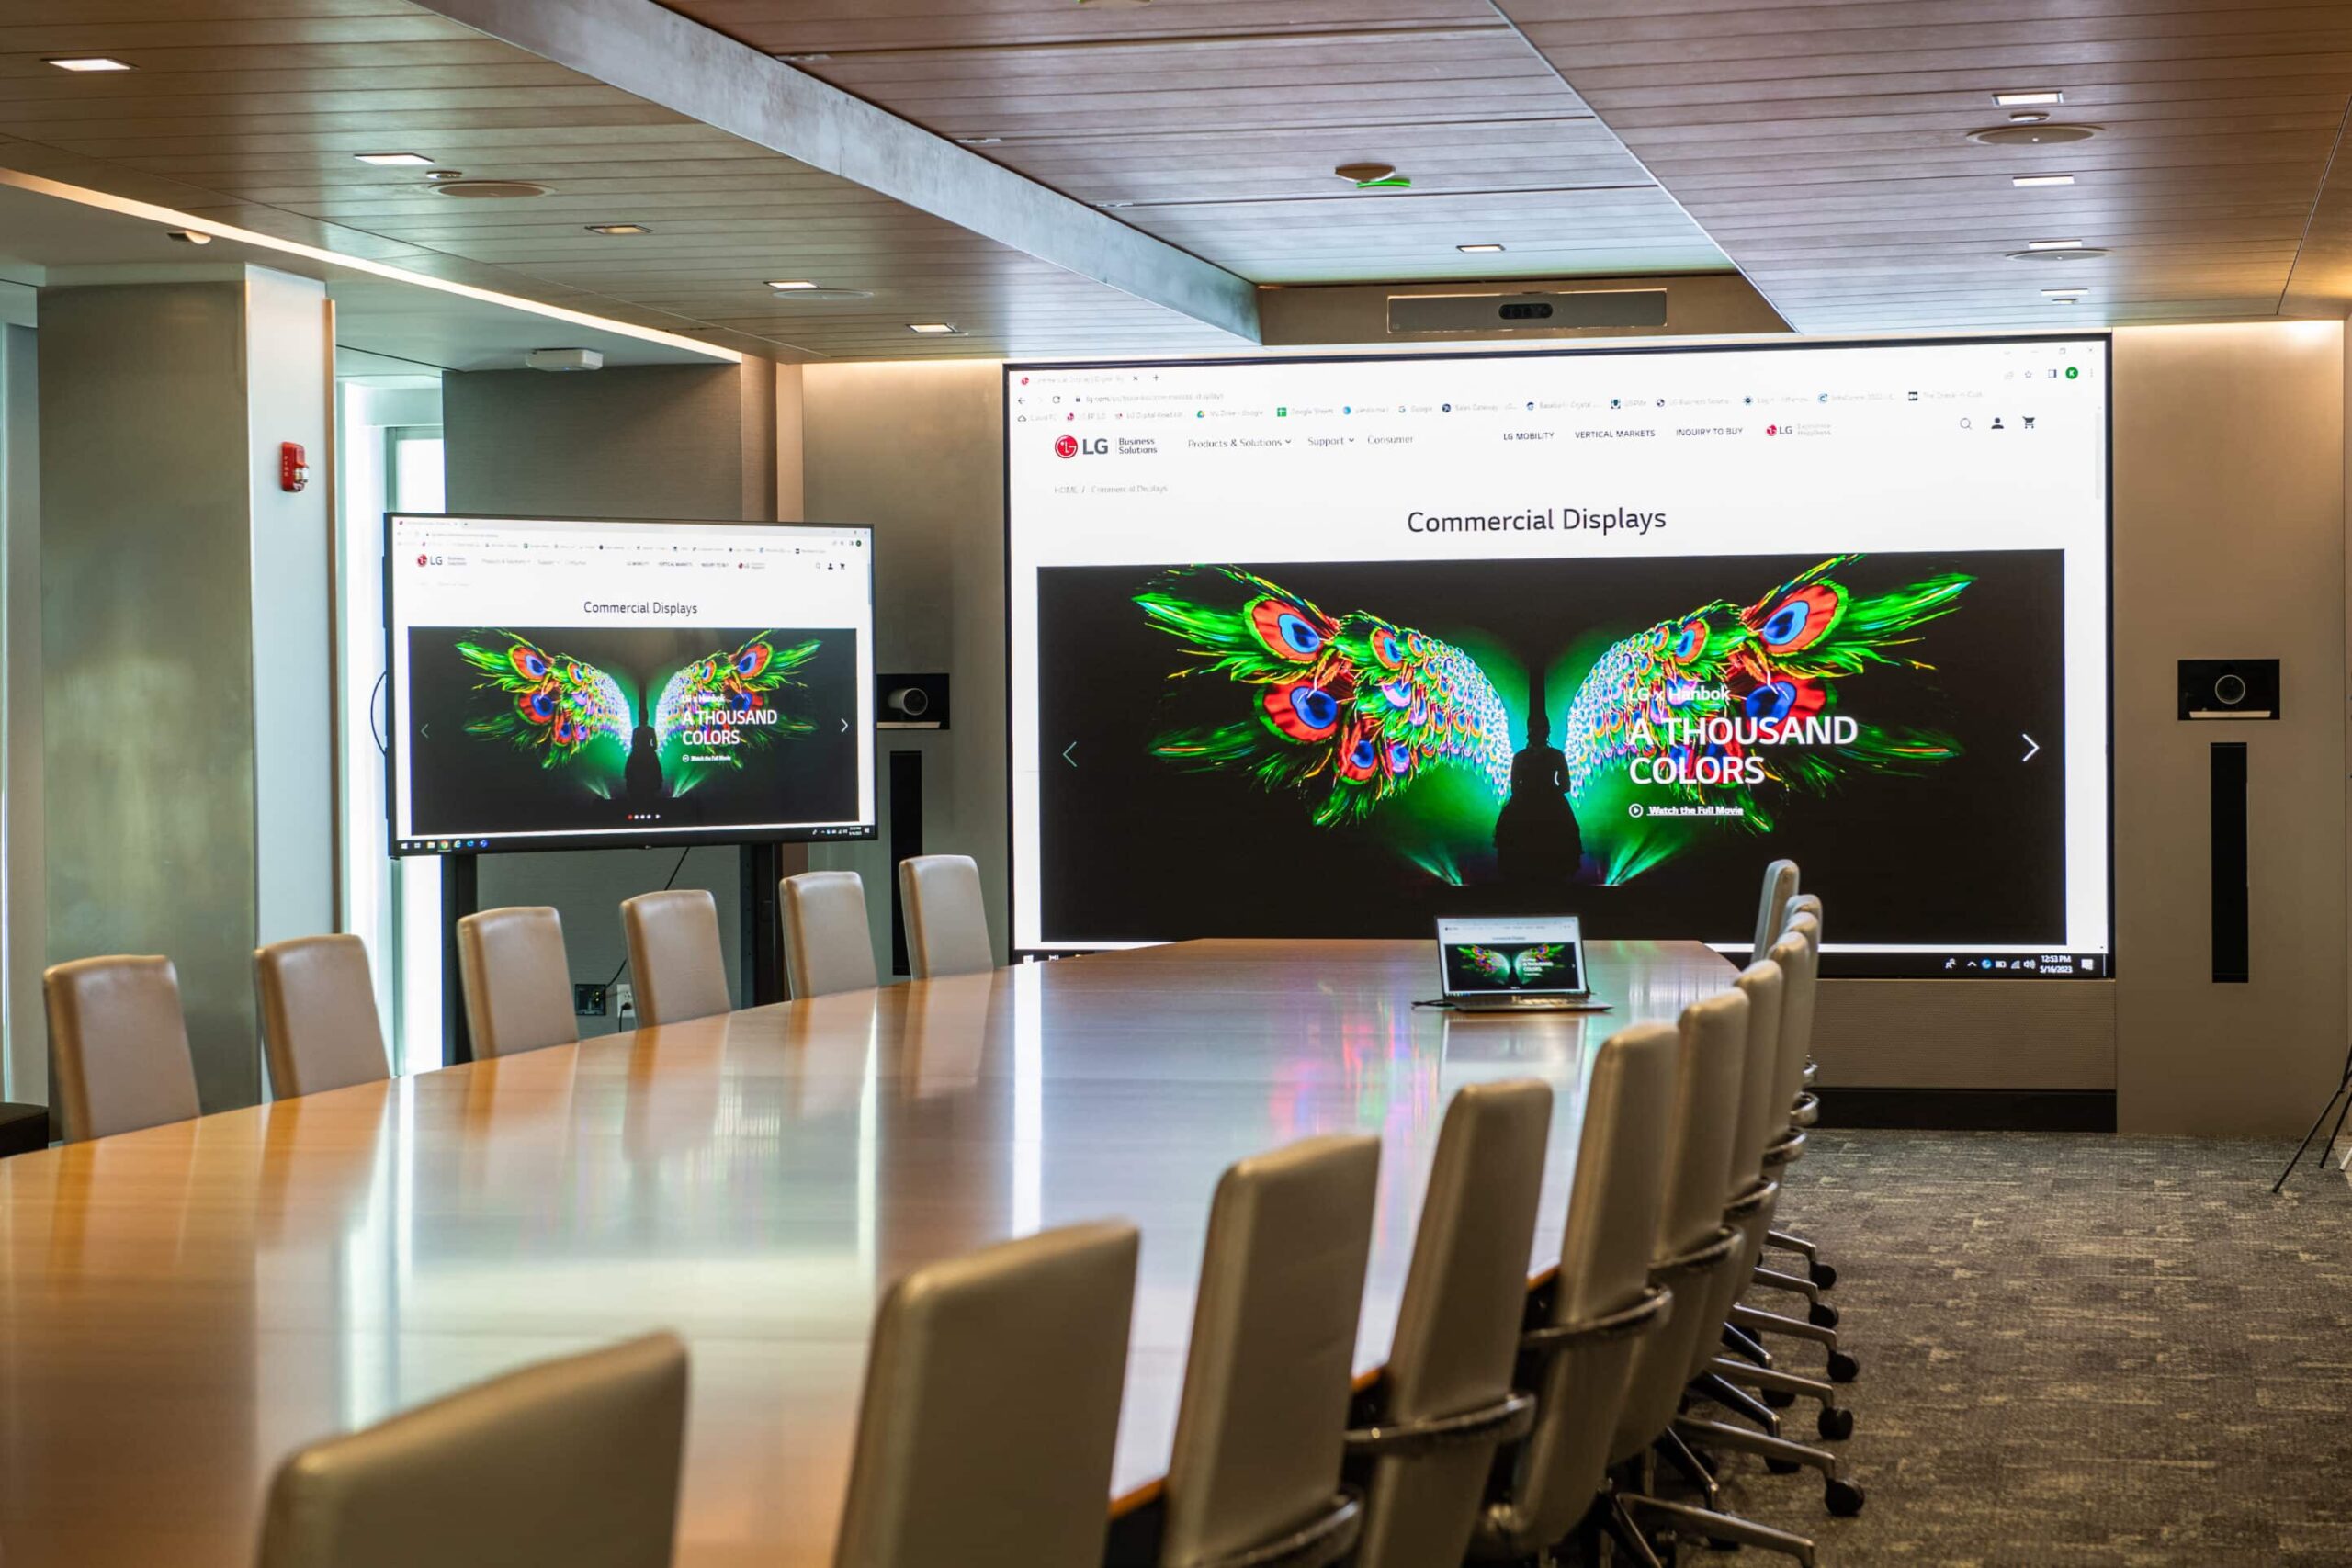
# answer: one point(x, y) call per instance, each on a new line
point(2077, 1350)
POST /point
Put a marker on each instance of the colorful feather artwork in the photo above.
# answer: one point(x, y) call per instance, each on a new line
point(1726, 708)
point(556, 705)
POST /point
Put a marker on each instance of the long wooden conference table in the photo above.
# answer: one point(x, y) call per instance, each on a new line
point(180, 1307)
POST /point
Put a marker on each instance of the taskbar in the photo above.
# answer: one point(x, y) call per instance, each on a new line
point(1956, 964)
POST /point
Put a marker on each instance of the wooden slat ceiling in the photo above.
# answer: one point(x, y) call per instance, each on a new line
point(249, 111)
point(1824, 147)
point(1215, 125)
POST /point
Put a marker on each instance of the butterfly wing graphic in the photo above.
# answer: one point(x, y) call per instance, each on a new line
point(548, 704)
point(1787, 654)
point(714, 694)
point(1348, 711)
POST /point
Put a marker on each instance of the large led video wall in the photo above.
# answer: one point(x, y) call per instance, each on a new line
point(1330, 648)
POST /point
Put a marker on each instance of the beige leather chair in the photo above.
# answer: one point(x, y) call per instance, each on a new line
point(1446, 1403)
point(119, 1043)
point(318, 1026)
point(827, 947)
point(572, 1461)
point(1262, 1423)
point(1601, 1303)
point(947, 924)
point(673, 952)
point(517, 981)
point(992, 1408)
point(1780, 887)
point(1821, 1275)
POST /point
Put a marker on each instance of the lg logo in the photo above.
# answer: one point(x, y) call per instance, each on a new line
point(1070, 445)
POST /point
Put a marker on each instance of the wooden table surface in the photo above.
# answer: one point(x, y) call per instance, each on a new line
point(181, 1306)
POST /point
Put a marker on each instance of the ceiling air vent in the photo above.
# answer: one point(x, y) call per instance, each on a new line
point(488, 190)
point(1526, 312)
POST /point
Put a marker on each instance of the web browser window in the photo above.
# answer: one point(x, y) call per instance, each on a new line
point(1327, 648)
point(556, 682)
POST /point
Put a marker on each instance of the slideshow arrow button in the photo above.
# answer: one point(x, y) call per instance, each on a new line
point(1066, 753)
point(2033, 746)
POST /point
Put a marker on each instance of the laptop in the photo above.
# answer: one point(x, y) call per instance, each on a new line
point(1509, 963)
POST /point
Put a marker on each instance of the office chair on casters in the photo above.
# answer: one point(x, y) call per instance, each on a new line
point(1806, 1113)
point(1446, 1403)
point(1584, 1326)
point(119, 1041)
point(1749, 1210)
point(1253, 1477)
point(1697, 1256)
point(318, 1026)
point(991, 1407)
point(826, 945)
point(574, 1461)
point(1797, 954)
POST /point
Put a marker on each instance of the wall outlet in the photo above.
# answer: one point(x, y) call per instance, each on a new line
point(624, 1001)
point(589, 1000)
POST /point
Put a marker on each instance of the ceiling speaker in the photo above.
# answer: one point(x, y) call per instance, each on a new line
point(2033, 135)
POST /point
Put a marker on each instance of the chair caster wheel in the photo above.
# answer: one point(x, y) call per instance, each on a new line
point(1821, 1314)
point(1779, 1399)
point(1782, 1466)
point(1843, 1368)
point(1836, 1424)
point(1843, 1497)
point(1824, 1275)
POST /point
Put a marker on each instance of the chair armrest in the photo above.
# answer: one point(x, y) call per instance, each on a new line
point(1708, 1253)
point(1622, 1323)
point(1513, 1416)
point(1326, 1539)
point(1785, 1149)
point(1748, 1203)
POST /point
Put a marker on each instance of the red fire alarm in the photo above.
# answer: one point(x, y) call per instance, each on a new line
point(293, 468)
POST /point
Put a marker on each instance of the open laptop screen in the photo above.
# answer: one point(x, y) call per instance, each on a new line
point(1492, 957)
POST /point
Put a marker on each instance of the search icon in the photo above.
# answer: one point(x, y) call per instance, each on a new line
point(1964, 424)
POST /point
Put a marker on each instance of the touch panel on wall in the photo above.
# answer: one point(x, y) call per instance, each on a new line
point(1329, 647)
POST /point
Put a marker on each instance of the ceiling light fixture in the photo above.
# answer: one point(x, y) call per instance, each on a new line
point(2028, 117)
point(89, 63)
point(395, 160)
point(977, 140)
point(933, 329)
point(1485, 250)
point(782, 283)
point(188, 236)
point(619, 229)
point(2054, 245)
point(2029, 97)
point(2032, 182)
point(2067, 293)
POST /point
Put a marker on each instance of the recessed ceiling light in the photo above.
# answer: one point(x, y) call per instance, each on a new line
point(2063, 293)
point(790, 283)
point(618, 228)
point(395, 160)
point(445, 174)
point(2028, 117)
point(2028, 182)
point(2027, 99)
point(2054, 245)
point(977, 140)
point(933, 329)
point(89, 62)
point(1486, 250)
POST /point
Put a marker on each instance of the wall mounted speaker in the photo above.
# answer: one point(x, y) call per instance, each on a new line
point(2229, 688)
point(911, 701)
